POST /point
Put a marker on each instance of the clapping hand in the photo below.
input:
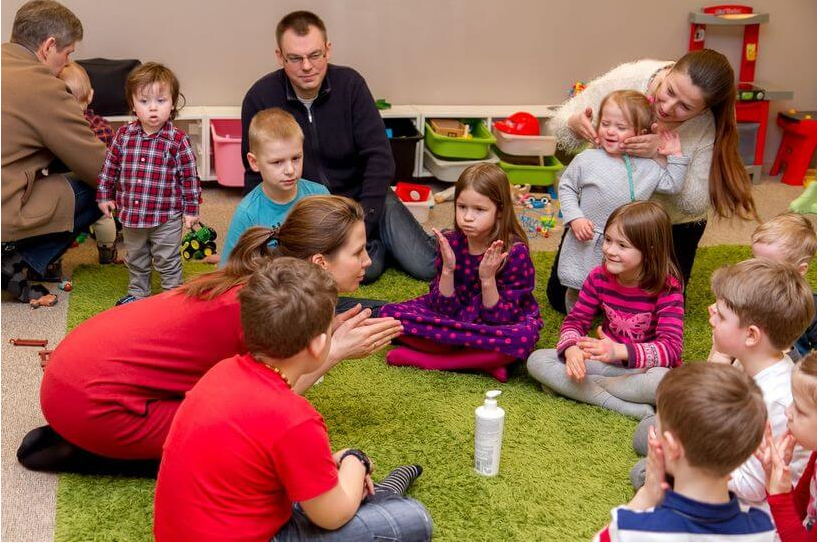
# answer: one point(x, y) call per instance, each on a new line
point(446, 252)
point(491, 261)
point(602, 349)
point(775, 457)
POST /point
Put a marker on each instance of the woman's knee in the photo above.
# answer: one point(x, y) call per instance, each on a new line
point(397, 518)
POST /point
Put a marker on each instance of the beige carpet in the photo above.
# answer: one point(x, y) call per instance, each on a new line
point(28, 498)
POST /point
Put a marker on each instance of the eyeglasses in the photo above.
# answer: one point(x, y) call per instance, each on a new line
point(314, 57)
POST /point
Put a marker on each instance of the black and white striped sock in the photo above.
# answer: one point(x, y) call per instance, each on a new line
point(399, 479)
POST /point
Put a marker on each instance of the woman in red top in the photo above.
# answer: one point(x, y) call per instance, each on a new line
point(113, 385)
point(794, 509)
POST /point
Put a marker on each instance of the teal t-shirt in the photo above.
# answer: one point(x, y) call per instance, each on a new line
point(256, 209)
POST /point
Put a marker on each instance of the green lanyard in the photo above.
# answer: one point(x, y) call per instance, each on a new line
point(629, 167)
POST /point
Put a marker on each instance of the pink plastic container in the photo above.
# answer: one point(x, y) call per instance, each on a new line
point(227, 151)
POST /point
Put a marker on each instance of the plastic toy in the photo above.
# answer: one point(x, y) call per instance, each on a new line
point(382, 103)
point(410, 192)
point(45, 356)
point(806, 202)
point(538, 215)
point(451, 128)
point(520, 123)
point(578, 87)
point(199, 242)
point(49, 300)
point(797, 146)
point(20, 342)
point(66, 286)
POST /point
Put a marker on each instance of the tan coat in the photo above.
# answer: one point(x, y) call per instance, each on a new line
point(40, 121)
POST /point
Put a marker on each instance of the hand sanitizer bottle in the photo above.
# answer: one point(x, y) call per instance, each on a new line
point(490, 422)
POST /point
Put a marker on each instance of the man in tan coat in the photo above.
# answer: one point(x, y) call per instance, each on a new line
point(41, 121)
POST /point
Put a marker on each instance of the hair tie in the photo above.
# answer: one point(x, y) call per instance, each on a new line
point(272, 240)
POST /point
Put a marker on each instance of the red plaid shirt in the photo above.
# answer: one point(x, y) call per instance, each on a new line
point(151, 177)
point(101, 127)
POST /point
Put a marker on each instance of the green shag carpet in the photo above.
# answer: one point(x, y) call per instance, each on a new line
point(564, 465)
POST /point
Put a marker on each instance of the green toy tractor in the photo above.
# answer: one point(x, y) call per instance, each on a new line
point(199, 242)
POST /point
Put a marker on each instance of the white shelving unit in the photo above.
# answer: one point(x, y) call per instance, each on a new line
point(195, 121)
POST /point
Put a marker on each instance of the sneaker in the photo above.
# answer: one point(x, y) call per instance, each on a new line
point(107, 255)
point(130, 298)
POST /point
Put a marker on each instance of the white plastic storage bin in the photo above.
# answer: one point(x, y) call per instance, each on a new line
point(450, 170)
point(420, 210)
point(512, 144)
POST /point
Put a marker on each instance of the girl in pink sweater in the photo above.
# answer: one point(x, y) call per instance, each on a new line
point(794, 510)
point(638, 292)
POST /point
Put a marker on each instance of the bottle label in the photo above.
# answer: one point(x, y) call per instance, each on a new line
point(487, 447)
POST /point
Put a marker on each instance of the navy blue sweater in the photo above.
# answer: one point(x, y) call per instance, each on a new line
point(345, 145)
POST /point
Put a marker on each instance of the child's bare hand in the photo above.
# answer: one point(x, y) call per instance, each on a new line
point(775, 457)
point(190, 221)
point(575, 367)
point(602, 349)
point(107, 208)
point(582, 229)
point(655, 482)
point(491, 261)
point(670, 143)
point(446, 252)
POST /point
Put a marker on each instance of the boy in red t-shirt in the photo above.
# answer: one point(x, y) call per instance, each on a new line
point(244, 447)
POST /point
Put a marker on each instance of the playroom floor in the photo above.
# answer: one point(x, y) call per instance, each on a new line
point(28, 499)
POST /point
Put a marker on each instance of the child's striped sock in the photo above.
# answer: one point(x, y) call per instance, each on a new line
point(399, 479)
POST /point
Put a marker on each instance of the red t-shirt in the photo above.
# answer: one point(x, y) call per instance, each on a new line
point(156, 348)
point(242, 448)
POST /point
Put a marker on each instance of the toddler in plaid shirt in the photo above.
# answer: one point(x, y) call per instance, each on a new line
point(79, 85)
point(150, 178)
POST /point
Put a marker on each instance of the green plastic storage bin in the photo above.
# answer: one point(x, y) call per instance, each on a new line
point(476, 147)
point(519, 174)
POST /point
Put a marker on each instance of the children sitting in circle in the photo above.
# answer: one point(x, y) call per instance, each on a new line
point(480, 312)
point(150, 180)
point(639, 295)
point(276, 151)
point(599, 180)
point(794, 510)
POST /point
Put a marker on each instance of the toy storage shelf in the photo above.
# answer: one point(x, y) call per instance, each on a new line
point(195, 121)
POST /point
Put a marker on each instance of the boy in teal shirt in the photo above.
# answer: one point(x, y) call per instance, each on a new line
point(276, 144)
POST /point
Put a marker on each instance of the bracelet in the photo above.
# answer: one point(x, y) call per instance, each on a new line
point(360, 455)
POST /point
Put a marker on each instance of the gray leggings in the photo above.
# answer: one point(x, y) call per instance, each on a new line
point(624, 390)
point(385, 516)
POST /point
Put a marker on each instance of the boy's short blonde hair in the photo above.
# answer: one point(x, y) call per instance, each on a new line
point(273, 124)
point(285, 305)
point(78, 82)
point(770, 295)
point(793, 233)
point(717, 413)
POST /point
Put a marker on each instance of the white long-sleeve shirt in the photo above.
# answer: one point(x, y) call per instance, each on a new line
point(697, 134)
point(749, 480)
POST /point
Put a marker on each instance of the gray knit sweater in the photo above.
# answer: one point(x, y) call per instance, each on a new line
point(592, 187)
point(697, 134)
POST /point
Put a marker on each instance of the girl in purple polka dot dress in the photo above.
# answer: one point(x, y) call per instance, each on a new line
point(479, 313)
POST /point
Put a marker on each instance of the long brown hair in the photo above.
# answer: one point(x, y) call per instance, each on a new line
point(315, 225)
point(490, 181)
point(648, 228)
point(730, 190)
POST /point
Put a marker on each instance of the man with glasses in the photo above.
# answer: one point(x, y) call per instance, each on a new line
point(345, 145)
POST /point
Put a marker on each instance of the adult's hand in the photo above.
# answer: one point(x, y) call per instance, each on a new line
point(360, 335)
point(644, 145)
point(582, 125)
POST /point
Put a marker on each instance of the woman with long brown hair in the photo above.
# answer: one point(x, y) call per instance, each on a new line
point(114, 383)
point(695, 96)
